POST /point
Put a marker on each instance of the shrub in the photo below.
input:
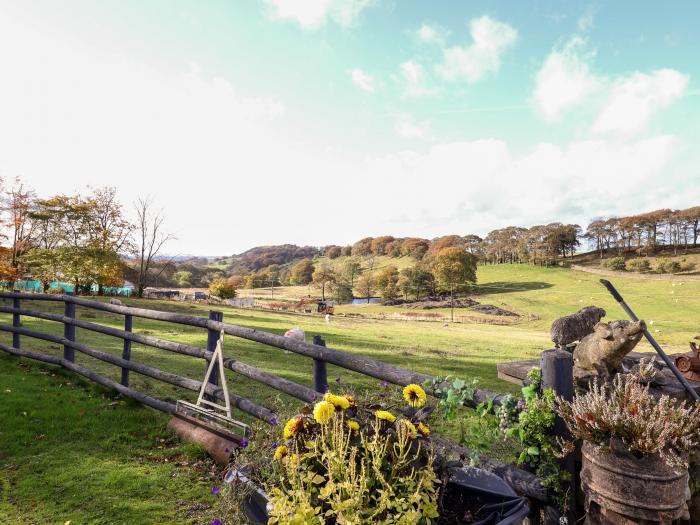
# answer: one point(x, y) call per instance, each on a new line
point(56, 290)
point(222, 288)
point(624, 410)
point(638, 265)
point(687, 266)
point(667, 266)
point(355, 464)
point(615, 263)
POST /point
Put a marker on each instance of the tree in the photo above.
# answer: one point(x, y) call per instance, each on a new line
point(454, 268)
point(323, 276)
point(366, 286)
point(302, 272)
point(350, 270)
point(363, 247)
point(386, 282)
point(19, 204)
point(182, 278)
point(150, 239)
point(222, 288)
point(333, 252)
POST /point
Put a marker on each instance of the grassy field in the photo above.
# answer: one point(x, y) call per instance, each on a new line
point(100, 440)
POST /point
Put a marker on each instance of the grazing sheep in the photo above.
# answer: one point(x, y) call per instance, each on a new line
point(575, 327)
point(115, 301)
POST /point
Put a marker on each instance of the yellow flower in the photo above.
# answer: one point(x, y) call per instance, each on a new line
point(414, 395)
point(293, 460)
point(292, 427)
point(423, 429)
point(385, 415)
point(410, 428)
point(354, 426)
point(338, 401)
point(323, 412)
point(280, 452)
point(351, 400)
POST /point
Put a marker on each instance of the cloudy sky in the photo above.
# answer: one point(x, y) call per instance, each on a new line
point(323, 121)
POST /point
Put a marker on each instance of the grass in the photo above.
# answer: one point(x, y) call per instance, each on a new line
point(73, 452)
point(88, 461)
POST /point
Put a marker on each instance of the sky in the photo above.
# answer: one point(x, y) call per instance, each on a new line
point(315, 122)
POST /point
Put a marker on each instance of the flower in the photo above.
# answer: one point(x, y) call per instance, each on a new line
point(351, 400)
point(293, 460)
point(243, 443)
point(385, 415)
point(216, 522)
point(273, 420)
point(281, 452)
point(323, 412)
point(354, 426)
point(292, 427)
point(215, 491)
point(409, 427)
point(414, 395)
point(423, 429)
point(337, 379)
point(338, 401)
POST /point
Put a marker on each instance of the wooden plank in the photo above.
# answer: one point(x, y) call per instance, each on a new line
point(68, 331)
point(516, 371)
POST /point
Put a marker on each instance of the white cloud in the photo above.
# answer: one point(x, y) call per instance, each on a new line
point(635, 99)
point(363, 81)
point(408, 128)
point(432, 34)
point(414, 78)
point(565, 80)
point(475, 61)
point(312, 14)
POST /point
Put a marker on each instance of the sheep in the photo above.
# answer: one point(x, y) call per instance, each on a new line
point(575, 327)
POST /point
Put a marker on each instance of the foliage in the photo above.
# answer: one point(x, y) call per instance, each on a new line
point(665, 265)
point(333, 252)
point(302, 272)
point(323, 276)
point(616, 263)
point(625, 410)
point(223, 289)
point(454, 267)
point(639, 264)
point(366, 286)
point(387, 280)
point(452, 393)
point(349, 463)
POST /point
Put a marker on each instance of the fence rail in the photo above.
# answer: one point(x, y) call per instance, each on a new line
point(524, 482)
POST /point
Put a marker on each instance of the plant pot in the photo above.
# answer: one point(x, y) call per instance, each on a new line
point(494, 499)
point(643, 488)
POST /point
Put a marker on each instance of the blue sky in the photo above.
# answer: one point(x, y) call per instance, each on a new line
point(324, 121)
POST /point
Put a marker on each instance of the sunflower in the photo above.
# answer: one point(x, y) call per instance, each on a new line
point(339, 402)
point(423, 429)
point(323, 412)
point(280, 452)
point(354, 426)
point(409, 427)
point(385, 415)
point(292, 427)
point(414, 395)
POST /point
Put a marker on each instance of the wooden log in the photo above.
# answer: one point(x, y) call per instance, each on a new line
point(320, 372)
point(31, 355)
point(524, 483)
point(126, 349)
point(279, 383)
point(16, 321)
point(558, 374)
point(68, 331)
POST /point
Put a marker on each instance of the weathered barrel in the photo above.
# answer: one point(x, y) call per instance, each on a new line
point(644, 488)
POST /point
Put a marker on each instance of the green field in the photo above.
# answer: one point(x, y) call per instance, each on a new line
point(101, 439)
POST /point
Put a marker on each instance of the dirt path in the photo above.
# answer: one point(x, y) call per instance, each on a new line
point(648, 276)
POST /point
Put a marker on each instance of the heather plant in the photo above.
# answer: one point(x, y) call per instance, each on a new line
point(667, 266)
point(347, 463)
point(638, 265)
point(616, 263)
point(624, 410)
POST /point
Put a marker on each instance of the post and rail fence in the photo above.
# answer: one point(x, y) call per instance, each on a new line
point(523, 482)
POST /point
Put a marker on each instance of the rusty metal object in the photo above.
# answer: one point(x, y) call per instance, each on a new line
point(689, 364)
point(219, 443)
point(639, 488)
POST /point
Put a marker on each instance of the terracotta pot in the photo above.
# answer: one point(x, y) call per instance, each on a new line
point(640, 488)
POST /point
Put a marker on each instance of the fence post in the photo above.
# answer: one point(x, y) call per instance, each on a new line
point(69, 329)
point(212, 339)
point(16, 322)
point(320, 372)
point(558, 374)
point(126, 352)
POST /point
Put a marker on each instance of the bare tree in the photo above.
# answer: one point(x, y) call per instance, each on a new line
point(150, 239)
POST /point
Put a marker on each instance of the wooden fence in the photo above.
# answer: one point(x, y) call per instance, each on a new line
point(522, 481)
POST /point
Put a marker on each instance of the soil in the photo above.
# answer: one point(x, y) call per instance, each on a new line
point(493, 310)
point(431, 303)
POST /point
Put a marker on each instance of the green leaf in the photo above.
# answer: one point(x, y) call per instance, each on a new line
point(458, 384)
point(533, 451)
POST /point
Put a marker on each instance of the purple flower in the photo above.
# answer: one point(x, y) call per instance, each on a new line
point(273, 420)
point(244, 443)
point(274, 445)
point(215, 491)
point(337, 379)
point(216, 522)
point(227, 450)
point(522, 405)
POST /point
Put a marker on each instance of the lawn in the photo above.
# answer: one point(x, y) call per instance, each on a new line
point(94, 455)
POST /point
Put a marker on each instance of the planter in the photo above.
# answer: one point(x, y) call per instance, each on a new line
point(639, 488)
point(493, 501)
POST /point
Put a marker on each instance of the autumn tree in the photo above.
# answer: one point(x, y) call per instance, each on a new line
point(323, 276)
point(386, 282)
point(18, 204)
point(302, 272)
point(366, 286)
point(454, 268)
point(222, 288)
point(333, 252)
